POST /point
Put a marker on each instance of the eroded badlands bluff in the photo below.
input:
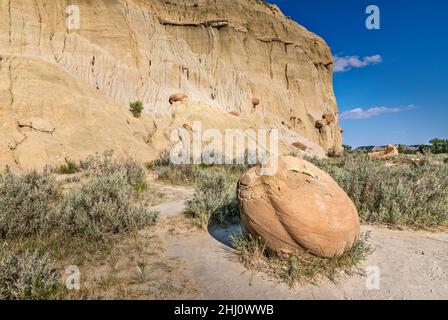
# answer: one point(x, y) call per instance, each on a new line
point(66, 93)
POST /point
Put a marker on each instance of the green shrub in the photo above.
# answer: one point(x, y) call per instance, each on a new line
point(103, 206)
point(214, 201)
point(27, 204)
point(136, 108)
point(69, 167)
point(28, 276)
point(439, 146)
point(106, 165)
point(403, 193)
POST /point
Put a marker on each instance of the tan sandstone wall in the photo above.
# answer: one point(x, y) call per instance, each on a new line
point(221, 53)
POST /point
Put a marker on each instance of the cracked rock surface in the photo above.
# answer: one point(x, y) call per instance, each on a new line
point(299, 208)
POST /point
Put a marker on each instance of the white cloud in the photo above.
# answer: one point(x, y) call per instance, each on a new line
point(343, 64)
point(359, 113)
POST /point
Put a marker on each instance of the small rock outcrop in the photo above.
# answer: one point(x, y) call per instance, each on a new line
point(177, 97)
point(390, 152)
point(300, 145)
point(255, 102)
point(329, 118)
point(320, 124)
point(299, 208)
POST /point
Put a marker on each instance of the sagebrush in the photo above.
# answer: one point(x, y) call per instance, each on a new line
point(28, 203)
point(408, 192)
point(214, 201)
point(28, 275)
point(101, 207)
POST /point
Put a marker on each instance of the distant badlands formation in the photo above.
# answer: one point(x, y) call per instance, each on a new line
point(242, 64)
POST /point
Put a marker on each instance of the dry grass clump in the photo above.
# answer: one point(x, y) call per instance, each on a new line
point(406, 192)
point(106, 164)
point(175, 174)
point(300, 268)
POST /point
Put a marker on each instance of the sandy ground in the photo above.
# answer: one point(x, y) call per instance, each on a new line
point(412, 265)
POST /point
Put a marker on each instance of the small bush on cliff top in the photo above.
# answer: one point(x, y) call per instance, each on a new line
point(136, 108)
point(411, 194)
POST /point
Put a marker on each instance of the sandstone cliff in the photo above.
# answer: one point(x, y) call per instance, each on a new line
point(66, 92)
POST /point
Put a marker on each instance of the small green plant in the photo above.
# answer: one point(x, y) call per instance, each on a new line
point(28, 276)
point(347, 148)
point(69, 167)
point(136, 108)
point(300, 268)
point(214, 201)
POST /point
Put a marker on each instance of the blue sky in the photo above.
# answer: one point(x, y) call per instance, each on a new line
point(397, 89)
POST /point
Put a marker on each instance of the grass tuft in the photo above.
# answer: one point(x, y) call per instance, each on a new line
point(69, 167)
point(300, 268)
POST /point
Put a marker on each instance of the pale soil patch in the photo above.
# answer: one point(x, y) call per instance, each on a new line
point(137, 268)
point(413, 265)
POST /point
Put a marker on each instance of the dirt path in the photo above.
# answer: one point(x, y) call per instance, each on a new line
point(412, 265)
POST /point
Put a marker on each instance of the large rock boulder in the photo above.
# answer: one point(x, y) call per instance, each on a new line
point(300, 207)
